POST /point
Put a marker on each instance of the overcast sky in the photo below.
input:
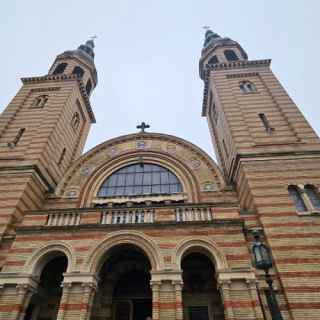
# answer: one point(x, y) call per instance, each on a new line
point(147, 55)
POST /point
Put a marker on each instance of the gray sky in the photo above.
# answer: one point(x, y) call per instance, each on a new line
point(147, 55)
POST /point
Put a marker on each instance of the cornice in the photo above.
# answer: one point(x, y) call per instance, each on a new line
point(267, 156)
point(227, 66)
point(61, 78)
point(236, 222)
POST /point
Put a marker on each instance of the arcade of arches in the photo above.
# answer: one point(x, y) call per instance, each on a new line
point(125, 291)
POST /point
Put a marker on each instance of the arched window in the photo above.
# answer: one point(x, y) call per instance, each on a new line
point(213, 60)
point(40, 101)
point(313, 195)
point(140, 179)
point(247, 86)
point(231, 55)
point(88, 87)
point(60, 68)
point(297, 198)
point(78, 71)
point(75, 121)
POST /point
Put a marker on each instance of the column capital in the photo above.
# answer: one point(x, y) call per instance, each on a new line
point(22, 281)
point(87, 280)
point(245, 274)
point(166, 275)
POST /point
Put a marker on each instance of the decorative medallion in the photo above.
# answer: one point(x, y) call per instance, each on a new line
point(113, 151)
point(86, 171)
point(72, 194)
point(209, 186)
point(141, 144)
point(195, 163)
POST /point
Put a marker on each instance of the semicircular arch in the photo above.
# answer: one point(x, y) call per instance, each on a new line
point(186, 154)
point(97, 255)
point(201, 245)
point(44, 254)
point(184, 174)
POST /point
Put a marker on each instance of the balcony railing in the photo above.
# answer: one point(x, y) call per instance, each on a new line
point(127, 216)
point(193, 214)
point(122, 216)
point(63, 219)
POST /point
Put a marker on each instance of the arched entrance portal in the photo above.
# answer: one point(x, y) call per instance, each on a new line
point(45, 302)
point(200, 296)
point(124, 291)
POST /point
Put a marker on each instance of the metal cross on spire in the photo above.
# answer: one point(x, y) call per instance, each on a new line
point(143, 126)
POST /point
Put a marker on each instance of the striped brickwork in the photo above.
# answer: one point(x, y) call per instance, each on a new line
point(262, 165)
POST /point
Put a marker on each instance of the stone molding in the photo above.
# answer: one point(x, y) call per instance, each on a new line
point(86, 279)
point(38, 259)
point(97, 255)
point(133, 155)
point(212, 250)
point(227, 66)
point(82, 89)
point(227, 276)
point(174, 276)
point(17, 279)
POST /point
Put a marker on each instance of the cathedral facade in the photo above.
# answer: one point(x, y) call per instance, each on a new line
point(149, 225)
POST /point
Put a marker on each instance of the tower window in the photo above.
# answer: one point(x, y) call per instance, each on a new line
point(78, 71)
point(296, 196)
point(60, 68)
point(75, 122)
point(88, 87)
point(265, 122)
point(213, 111)
point(40, 101)
point(247, 87)
point(63, 153)
point(225, 148)
point(17, 138)
point(140, 179)
point(313, 195)
point(213, 60)
point(231, 55)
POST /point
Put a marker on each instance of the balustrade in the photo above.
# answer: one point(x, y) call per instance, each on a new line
point(63, 219)
point(127, 216)
point(193, 214)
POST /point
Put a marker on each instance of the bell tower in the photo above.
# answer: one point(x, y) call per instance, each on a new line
point(43, 129)
point(270, 153)
point(249, 113)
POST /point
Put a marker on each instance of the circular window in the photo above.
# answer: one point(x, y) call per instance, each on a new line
point(140, 179)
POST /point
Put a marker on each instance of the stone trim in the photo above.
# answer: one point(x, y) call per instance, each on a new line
point(36, 261)
point(135, 153)
point(227, 66)
point(135, 226)
point(65, 77)
point(216, 255)
point(18, 279)
point(45, 89)
point(97, 255)
point(242, 75)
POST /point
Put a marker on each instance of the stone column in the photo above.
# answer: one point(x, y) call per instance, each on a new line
point(155, 287)
point(252, 287)
point(15, 296)
point(224, 289)
point(89, 290)
point(24, 295)
point(66, 287)
point(178, 285)
point(166, 294)
point(77, 296)
point(239, 294)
